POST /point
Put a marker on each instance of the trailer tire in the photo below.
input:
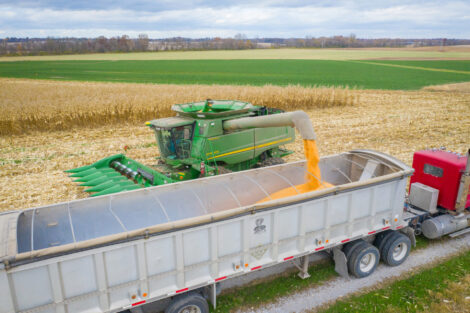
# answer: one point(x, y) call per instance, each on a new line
point(381, 239)
point(363, 260)
point(350, 247)
point(191, 303)
point(396, 249)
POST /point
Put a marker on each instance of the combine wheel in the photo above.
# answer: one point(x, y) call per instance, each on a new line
point(363, 260)
point(271, 162)
point(396, 249)
point(190, 303)
point(223, 170)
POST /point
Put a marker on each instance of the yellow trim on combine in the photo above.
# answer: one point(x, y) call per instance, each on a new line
point(250, 148)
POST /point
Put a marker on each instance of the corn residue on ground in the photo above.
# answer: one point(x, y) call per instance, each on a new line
point(32, 163)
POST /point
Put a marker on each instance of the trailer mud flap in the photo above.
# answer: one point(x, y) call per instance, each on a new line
point(341, 266)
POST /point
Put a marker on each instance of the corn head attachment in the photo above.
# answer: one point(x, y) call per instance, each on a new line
point(115, 174)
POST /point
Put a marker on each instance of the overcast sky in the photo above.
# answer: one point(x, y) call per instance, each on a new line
point(225, 18)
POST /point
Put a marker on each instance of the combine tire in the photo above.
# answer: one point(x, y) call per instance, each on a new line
point(222, 170)
point(363, 260)
point(396, 249)
point(271, 162)
point(190, 303)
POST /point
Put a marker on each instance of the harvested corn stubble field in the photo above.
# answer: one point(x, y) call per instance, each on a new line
point(48, 127)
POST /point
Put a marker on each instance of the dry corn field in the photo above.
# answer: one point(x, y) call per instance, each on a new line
point(48, 127)
point(30, 105)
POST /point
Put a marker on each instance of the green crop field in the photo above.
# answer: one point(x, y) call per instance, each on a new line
point(357, 74)
point(438, 64)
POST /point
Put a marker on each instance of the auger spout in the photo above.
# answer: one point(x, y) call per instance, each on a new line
point(297, 119)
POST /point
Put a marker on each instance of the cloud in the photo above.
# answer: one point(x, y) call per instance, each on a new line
point(264, 18)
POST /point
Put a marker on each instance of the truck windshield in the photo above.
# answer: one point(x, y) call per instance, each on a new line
point(175, 143)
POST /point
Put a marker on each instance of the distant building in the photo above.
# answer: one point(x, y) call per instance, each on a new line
point(264, 45)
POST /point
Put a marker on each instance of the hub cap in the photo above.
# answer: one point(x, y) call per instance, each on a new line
point(399, 251)
point(367, 262)
point(190, 309)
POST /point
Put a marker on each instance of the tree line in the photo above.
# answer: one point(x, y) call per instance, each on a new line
point(49, 46)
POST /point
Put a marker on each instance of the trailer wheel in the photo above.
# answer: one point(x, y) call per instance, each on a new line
point(382, 238)
point(190, 303)
point(363, 260)
point(396, 249)
point(349, 248)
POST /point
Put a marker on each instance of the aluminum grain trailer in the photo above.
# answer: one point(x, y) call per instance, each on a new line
point(177, 241)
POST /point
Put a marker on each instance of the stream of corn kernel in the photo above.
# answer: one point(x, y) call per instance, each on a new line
point(313, 176)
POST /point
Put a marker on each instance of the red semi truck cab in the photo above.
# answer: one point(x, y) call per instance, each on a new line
point(441, 170)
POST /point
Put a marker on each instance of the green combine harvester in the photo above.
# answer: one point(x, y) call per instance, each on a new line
point(204, 139)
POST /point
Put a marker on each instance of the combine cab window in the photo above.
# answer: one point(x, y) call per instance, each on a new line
point(433, 170)
point(175, 143)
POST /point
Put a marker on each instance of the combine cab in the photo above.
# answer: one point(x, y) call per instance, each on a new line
point(194, 144)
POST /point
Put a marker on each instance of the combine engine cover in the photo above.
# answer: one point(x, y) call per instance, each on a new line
point(441, 170)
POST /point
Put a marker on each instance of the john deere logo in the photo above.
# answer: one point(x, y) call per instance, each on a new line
point(259, 228)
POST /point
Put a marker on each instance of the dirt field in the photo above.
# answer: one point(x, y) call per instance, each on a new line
point(395, 122)
point(451, 52)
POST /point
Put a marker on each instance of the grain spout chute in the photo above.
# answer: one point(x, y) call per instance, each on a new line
point(297, 119)
point(301, 121)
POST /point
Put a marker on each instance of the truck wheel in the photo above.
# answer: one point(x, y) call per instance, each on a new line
point(396, 249)
point(271, 162)
point(363, 260)
point(382, 238)
point(191, 303)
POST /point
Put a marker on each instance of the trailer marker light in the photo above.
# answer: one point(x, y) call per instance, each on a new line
point(237, 267)
point(144, 294)
point(138, 303)
point(246, 264)
point(288, 258)
point(396, 220)
point(345, 240)
point(220, 278)
point(181, 290)
point(327, 241)
point(133, 297)
point(256, 268)
point(371, 232)
point(385, 228)
point(318, 249)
